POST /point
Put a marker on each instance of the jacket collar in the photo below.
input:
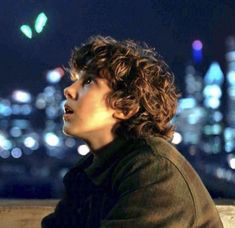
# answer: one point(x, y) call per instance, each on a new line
point(98, 167)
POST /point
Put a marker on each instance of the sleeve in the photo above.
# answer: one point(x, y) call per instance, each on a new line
point(153, 193)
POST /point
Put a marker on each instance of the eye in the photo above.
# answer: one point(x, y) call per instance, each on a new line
point(87, 81)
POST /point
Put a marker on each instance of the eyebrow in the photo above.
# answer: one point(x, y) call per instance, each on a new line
point(81, 75)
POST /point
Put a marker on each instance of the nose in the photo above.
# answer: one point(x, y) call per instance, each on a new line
point(70, 92)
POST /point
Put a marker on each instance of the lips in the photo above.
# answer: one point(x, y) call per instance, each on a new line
point(68, 109)
point(68, 112)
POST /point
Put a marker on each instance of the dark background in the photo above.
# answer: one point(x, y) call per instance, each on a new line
point(170, 26)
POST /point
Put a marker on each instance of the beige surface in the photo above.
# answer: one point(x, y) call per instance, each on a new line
point(24, 213)
point(28, 213)
point(227, 214)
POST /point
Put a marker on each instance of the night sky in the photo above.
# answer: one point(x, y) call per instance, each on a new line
point(169, 26)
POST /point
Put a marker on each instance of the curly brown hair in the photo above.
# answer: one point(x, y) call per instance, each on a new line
point(139, 78)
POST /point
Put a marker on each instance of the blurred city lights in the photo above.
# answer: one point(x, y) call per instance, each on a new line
point(40, 22)
point(15, 132)
point(31, 142)
point(40, 101)
point(21, 96)
point(51, 139)
point(197, 45)
point(70, 142)
point(214, 129)
point(230, 56)
point(187, 103)
point(217, 116)
point(26, 109)
point(231, 92)
point(21, 123)
point(5, 108)
point(49, 91)
point(197, 50)
point(232, 163)
point(214, 75)
point(231, 77)
point(27, 31)
point(177, 138)
point(83, 149)
point(212, 91)
point(197, 116)
point(212, 102)
point(54, 76)
point(51, 112)
point(5, 144)
point(16, 109)
point(16, 152)
point(4, 153)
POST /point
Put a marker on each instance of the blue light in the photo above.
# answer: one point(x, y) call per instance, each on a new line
point(228, 147)
point(214, 75)
point(4, 153)
point(40, 22)
point(5, 109)
point(197, 50)
point(16, 152)
point(212, 91)
point(212, 102)
point(197, 56)
point(16, 109)
point(230, 56)
point(49, 91)
point(52, 139)
point(187, 103)
point(217, 116)
point(27, 31)
point(26, 109)
point(229, 133)
point(41, 101)
point(70, 142)
point(231, 92)
point(31, 142)
point(15, 132)
point(231, 77)
point(21, 96)
point(51, 112)
point(5, 144)
point(55, 75)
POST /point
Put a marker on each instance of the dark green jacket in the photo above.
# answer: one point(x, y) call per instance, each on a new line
point(134, 184)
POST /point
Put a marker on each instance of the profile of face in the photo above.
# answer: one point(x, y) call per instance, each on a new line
point(86, 113)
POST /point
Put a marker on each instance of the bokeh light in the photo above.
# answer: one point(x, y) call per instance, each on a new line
point(83, 149)
point(197, 45)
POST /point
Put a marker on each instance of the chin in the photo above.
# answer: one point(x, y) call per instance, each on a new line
point(67, 132)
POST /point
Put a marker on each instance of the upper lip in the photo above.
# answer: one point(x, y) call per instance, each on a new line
point(67, 108)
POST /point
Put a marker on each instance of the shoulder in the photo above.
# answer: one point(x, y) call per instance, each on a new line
point(153, 162)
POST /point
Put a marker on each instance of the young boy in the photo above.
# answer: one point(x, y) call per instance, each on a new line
point(121, 102)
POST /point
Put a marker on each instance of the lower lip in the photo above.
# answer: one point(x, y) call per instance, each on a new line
point(67, 117)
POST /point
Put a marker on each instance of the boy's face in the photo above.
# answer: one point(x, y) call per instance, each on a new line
point(87, 115)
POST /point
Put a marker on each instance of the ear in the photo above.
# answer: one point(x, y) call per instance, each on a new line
point(121, 115)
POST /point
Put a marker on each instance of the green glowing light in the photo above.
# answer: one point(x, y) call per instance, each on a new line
point(27, 31)
point(40, 22)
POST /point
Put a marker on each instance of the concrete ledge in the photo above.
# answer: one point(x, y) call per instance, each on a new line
point(28, 213)
point(24, 213)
